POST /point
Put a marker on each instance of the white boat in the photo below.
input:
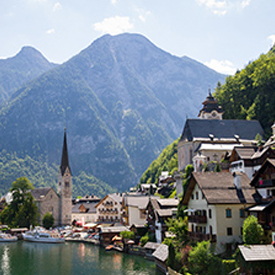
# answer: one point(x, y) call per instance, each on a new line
point(7, 238)
point(43, 236)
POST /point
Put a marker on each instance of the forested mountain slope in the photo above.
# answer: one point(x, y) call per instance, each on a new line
point(122, 100)
point(249, 94)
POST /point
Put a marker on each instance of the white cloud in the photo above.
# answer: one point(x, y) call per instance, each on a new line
point(245, 3)
point(272, 38)
point(223, 66)
point(114, 25)
point(113, 2)
point(50, 31)
point(57, 6)
point(219, 7)
point(143, 15)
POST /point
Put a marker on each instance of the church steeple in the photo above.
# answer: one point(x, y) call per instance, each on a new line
point(64, 187)
point(211, 109)
point(65, 157)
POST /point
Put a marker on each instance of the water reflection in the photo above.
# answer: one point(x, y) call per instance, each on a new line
point(5, 265)
point(70, 258)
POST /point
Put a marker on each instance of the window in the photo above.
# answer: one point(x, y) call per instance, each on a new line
point(229, 231)
point(67, 184)
point(210, 213)
point(192, 197)
point(228, 213)
point(241, 231)
point(241, 213)
point(197, 195)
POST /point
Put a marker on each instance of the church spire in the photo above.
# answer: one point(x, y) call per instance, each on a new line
point(65, 156)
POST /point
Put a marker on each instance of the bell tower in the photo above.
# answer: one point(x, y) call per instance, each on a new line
point(65, 186)
point(210, 109)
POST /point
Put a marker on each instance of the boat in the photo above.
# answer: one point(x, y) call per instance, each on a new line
point(43, 236)
point(7, 238)
point(109, 247)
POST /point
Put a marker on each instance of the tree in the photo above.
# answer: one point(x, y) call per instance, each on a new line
point(252, 231)
point(22, 211)
point(179, 228)
point(48, 220)
point(203, 261)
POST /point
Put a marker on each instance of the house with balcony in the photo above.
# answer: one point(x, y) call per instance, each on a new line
point(264, 210)
point(83, 209)
point(248, 159)
point(108, 210)
point(159, 211)
point(134, 210)
point(216, 204)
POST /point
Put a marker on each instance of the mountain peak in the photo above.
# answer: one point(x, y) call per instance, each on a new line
point(30, 52)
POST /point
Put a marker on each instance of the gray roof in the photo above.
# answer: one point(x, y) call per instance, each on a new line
point(137, 201)
point(161, 253)
point(253, 253)
point(37, 193)
point(168, 202)
point(166, 212)
point(219, 188)
point(221, 129)
point(90, 206)
point(113, 229)
point(152, 245)
point(116, 196)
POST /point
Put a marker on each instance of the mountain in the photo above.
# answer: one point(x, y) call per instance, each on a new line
point(122, 100)
point(15, 71)
point(249, 94)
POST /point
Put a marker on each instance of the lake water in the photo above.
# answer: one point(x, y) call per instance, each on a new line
point(23, 258)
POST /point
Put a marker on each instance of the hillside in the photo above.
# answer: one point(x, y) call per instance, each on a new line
point(249, 94)
point(122, 100)
point(23, 67)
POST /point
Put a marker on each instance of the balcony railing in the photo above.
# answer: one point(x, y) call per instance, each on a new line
point(197, 219)
point(198, 236)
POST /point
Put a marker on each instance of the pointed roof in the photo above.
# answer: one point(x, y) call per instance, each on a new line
point(210, 104)
point(65, 156)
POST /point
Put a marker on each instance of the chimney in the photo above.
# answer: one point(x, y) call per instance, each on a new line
point(238, 179)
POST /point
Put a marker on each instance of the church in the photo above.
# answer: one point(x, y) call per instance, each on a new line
point(210, 138)
point(59, 203)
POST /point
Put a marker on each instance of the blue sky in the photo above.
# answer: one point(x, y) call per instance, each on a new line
point(223, 34)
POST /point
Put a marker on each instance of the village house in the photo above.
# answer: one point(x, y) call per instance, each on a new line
point(108, 210)
point(264, 210)
point(134, 210)
point(83, 210)
point(257, 259)
point(248, 159)
point(59, 203)
point(216, 204)
point(210, 138)
point(159, 211)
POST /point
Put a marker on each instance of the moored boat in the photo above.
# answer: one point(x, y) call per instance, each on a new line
point(43, 236)
point(7, 238)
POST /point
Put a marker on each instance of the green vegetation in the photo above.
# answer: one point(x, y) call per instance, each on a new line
point(167, 161)
point(203, 261)
point(130, 235)
point(22, 210)
point(43, 175)
point(252, 231)
point(249, 93)
point(48, 220)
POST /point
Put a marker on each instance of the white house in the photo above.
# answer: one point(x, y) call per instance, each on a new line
point(216, 203)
